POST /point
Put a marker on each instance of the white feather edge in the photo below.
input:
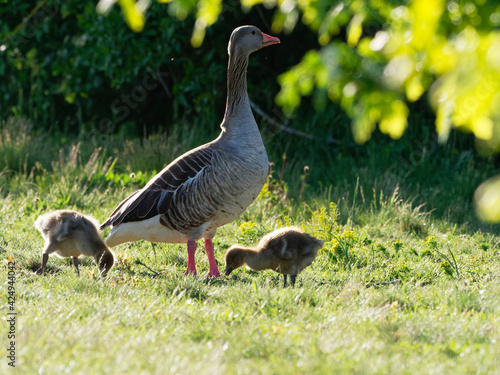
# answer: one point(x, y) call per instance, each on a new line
point(149, 230)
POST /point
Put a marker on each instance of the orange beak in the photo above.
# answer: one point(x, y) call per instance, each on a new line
point(268, 40)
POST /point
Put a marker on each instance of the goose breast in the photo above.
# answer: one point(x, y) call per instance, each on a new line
point(218, 193)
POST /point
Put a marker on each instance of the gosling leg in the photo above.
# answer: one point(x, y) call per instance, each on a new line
point(49, 248)
point(45, 258)
point(292, 279)
point(284, 280)
point(75, 263)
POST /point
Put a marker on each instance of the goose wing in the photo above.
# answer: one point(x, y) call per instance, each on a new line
point(156, 197)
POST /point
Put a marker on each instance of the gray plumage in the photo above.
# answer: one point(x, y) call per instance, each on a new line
point(287, 251)
point(71, 234)
point(210, 185)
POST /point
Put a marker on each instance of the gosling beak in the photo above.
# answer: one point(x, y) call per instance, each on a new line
point(228, 270)
point(267, 40)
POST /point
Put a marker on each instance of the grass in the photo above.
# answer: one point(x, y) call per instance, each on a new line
point(346, 314)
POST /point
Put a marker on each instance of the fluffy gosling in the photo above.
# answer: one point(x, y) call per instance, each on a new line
point(286, 250)
point(71, 234)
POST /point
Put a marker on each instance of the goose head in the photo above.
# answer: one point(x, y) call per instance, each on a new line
point(248, 39)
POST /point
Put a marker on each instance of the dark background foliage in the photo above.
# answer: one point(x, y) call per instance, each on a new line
point(68, 69)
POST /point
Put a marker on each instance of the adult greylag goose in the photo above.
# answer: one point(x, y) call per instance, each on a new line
point(287, 251)
point(210, 185)
point(71, 234)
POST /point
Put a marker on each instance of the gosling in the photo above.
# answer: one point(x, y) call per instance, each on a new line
point(71, 234)
point(287, 251)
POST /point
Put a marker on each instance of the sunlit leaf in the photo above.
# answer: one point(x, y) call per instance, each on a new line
point(414, 88)
point(426, 15)
point(354, 30)
point(133, 14)
point(394, 123)
point(443, 121)
point(398, 70)
point(487, 198)
point(208, 11)
point(483, 127)
point(362, 126)
point(104, 6)
point(70, 98)
point(250, 3)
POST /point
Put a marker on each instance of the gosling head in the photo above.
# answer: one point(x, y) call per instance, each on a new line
point(105, 261)
point(235, 258)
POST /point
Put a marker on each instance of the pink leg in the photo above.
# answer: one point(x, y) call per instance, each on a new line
point(209, 248)
point(191, 268)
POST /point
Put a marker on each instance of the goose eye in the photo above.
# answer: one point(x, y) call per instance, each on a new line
point(253, 32)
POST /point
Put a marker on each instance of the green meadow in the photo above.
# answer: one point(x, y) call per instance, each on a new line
point(407, 282)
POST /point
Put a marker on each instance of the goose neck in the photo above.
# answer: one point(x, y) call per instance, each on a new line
point(237, 102)
point(256, 261)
